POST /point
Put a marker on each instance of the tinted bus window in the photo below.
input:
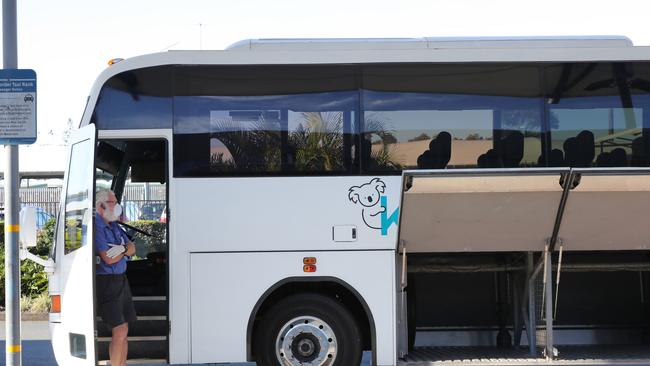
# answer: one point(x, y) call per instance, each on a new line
point(137, 99)
point(260, 122)
point(451, 116)
point(599, 114)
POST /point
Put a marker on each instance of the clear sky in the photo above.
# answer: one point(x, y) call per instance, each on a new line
point(68, 42)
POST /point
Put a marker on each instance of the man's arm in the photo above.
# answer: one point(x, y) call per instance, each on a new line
point(109, 260)
point(130, 249)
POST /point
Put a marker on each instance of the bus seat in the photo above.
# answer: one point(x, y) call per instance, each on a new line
point(511, 149)
point(425, 160)
point(639, 152)
point(605, 160)
point(556, 159)
point(507, 153)
point(619, 157)
point(615, 158)
point(586, 148)
point(571, 151)
point(490, 159)
point(580, 151)
point(438, 154)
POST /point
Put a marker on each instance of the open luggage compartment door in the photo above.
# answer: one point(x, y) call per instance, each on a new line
point(485, 210)
point(608, 210)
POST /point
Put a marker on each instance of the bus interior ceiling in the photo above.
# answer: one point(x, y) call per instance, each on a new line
point(476, 249)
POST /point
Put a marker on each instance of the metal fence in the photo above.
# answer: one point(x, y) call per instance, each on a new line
point(144, 201)
point(140, 201)
point(47, 198)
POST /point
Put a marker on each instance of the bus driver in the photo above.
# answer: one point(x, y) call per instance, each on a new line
point(114, 300)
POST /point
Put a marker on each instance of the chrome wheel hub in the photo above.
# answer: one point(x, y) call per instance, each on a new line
point(306, 341)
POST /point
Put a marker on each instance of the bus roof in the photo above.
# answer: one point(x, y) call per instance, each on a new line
point(397, 50)
point(389, 50)
point(294, 44)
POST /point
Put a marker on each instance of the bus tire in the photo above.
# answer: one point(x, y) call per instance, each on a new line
point(308, 328)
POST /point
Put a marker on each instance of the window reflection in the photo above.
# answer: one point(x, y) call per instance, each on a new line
point(135, 99)
point(297, 119)
point(436, 131)
point(77, 200)
point(597, 114)
point(271, 134)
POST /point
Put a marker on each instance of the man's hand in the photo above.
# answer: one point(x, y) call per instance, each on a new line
point(130, 249)
point(115, 250)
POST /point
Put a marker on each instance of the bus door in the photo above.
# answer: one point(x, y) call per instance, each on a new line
point(76, 260)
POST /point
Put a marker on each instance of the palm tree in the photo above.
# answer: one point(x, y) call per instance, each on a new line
point(256, 148)
point(379, 159)
point(318, 142)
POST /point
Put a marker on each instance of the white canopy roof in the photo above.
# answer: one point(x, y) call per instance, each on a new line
point(38, 160)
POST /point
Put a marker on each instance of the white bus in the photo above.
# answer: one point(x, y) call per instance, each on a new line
point(426, 200)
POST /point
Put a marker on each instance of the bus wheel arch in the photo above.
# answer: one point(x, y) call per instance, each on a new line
point(332, 287)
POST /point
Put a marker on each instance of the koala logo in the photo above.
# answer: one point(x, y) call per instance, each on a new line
point(368, 196)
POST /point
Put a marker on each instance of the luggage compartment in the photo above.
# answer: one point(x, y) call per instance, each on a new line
point(490, 253)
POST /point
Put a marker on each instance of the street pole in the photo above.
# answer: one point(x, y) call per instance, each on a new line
point(12, 262)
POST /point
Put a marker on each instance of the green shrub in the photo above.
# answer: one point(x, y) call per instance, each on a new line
point(45, 239)
point(149, 244)
point(33, 280)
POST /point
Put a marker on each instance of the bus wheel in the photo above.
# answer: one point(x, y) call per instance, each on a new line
point(308, 329)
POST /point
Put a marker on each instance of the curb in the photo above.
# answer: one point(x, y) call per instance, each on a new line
point(29, 316)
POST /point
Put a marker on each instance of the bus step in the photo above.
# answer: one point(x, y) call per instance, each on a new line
point(151, 347)
point(136, 339)
point(144, 326)
point(150, 305)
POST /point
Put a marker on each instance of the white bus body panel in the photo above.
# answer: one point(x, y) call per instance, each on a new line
point(278, 214)
point(264, 214)
point(219, 322)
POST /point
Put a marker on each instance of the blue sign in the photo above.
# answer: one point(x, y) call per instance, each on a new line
point(17, 107)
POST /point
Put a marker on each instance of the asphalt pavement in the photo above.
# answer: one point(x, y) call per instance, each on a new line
point(37, 349)
point(36, 346)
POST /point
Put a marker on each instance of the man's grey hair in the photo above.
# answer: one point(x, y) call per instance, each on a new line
point(102, 196)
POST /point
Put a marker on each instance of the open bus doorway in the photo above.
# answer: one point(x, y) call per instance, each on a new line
point(136, 170)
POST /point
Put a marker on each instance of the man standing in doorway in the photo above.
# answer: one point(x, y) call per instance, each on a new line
point(114, 300)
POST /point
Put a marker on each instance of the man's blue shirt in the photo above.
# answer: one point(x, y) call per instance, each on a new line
point(109, 234)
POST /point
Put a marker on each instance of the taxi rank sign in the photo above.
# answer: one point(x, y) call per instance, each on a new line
point(17, 107)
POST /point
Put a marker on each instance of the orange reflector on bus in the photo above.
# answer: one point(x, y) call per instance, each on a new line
point(309, 260)
point(56, 304)
point(113, 61)
point(309, 268)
